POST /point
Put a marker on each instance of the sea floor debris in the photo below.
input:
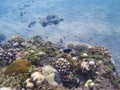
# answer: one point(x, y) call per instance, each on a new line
point(35, 64)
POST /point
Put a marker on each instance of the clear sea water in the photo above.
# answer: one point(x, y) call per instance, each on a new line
point(95, 22)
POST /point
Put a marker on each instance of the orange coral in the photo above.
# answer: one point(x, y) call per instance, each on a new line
point(18, 66)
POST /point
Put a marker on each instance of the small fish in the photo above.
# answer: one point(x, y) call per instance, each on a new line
point(67, 50)
point(31, 24)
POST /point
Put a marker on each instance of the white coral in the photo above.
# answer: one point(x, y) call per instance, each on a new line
point(6, 88)
point(47, 70)
point(92, 63)
point(85, 66)
point(37, 76)
point(51, 79)
point(29, 85)
point(50, 74)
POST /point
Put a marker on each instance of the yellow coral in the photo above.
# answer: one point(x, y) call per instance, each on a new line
point(18, 66)
point(88, 83)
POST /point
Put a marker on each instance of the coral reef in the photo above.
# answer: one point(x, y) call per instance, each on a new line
point(35, 64)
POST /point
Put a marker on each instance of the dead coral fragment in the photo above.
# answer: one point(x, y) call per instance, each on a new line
point(18, 66)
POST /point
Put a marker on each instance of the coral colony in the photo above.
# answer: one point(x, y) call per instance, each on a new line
point(35, 64)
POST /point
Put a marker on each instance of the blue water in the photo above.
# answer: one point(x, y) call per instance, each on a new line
point(96, 22)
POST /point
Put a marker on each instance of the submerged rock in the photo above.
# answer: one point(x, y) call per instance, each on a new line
point(51, 19)
point(47, 21)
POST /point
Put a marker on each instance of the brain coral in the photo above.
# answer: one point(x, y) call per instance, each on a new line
point(18, 66)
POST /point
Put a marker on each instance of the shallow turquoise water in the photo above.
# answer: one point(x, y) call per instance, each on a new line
point(95, 22)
